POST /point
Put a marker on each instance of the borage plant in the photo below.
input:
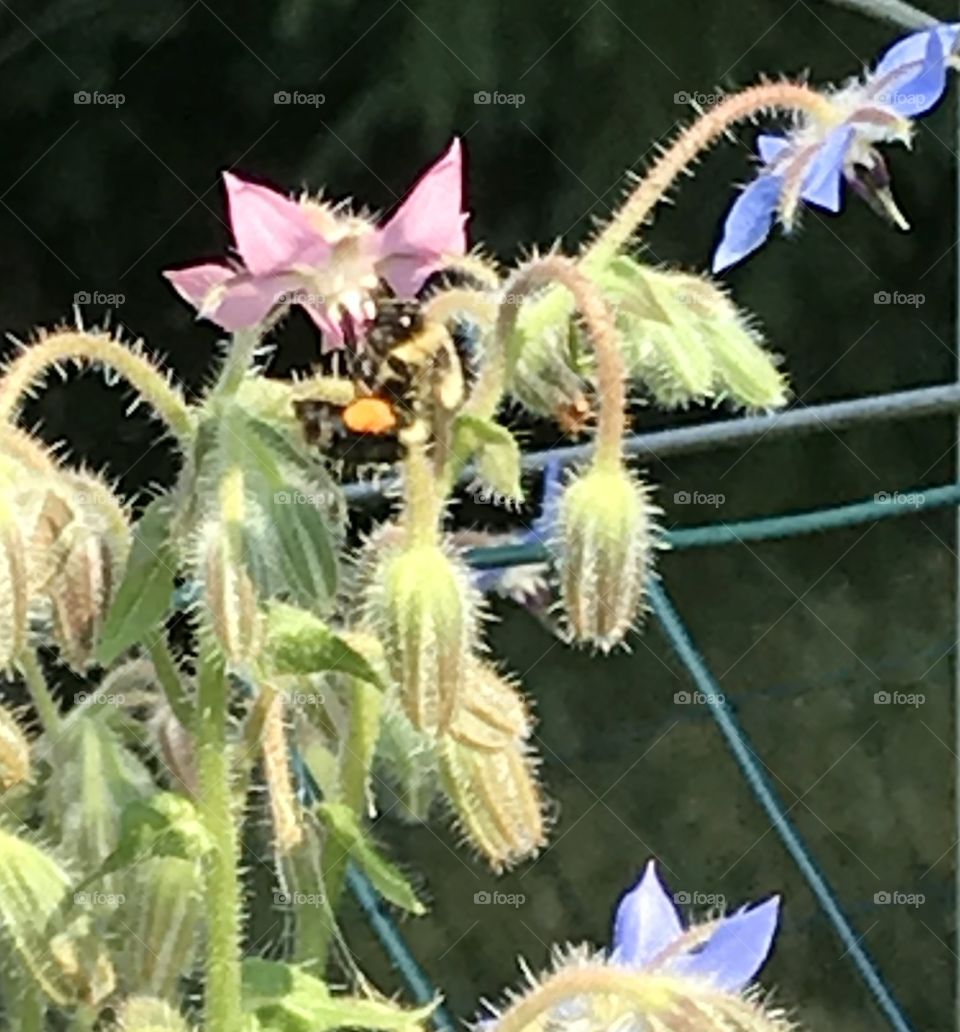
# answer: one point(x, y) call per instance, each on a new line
point(319, 668)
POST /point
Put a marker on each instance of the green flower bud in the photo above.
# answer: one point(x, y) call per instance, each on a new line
point(80, 593)
point(33, 886)
point(14, 589)
point(14, 751)
point(229, 595)
point(604, 554)
point(492, 714)
point(160, 923)
point(147, 1014)
point(420, 603)
point(82, 962)
point(497, 799)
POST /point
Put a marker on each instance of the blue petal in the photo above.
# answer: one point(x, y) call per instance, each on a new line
point(646, 922)
point(912, 76)
point(915, 47)
point(732, 956)
point(749, 221)
point(770, 147)
point(543, 526)
point(822, 183)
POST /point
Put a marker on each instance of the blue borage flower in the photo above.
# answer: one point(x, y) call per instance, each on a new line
point(727, 952)
point(811, 162)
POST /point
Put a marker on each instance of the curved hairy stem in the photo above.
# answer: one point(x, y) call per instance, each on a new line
point(601, 334)
point(689, 145)
point(422, 501)
point(25, 371)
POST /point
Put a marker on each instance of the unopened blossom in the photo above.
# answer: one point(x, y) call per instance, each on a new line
point(728, 953)
point(813, 161)
point(326, 260)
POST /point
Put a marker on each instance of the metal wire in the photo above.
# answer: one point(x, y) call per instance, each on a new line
point(753, 771)
point(942, 399)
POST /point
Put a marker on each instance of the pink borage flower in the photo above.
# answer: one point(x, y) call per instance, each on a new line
point(323, 258)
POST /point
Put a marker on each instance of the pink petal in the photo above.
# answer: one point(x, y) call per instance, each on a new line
point(272, 232)
point(232, 300)
point(429, 223)
point(195, 282)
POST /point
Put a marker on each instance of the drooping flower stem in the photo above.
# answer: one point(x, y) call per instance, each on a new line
point(222, 895)
point(688, 146)
point(421, 511)
point(39, 690)
point(24, 372)
point(601, 333)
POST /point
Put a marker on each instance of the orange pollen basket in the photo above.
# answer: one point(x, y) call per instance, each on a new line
point(370, 416)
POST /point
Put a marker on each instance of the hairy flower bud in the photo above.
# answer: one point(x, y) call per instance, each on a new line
point(14, 751)
point(421, 604)
point(33, 886)
point(148, 1014)
point(229, 594)
point(81, 592)
point(492, 714)
point(14, 590)
point(604, 553)
point(497, 799)
point(160, 924)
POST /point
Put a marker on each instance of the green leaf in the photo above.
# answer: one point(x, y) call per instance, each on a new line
point(387, 880)
point(496, 452)
point(164, 825)
point(306, 548)
point(300, 643)
point(93, 778)
point(299, 504)
point(286, 999)
point(145, 595)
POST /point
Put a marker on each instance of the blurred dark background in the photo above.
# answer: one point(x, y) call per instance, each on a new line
point(97, 198)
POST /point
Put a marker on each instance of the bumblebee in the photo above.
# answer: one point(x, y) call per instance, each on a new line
point(409, 372)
